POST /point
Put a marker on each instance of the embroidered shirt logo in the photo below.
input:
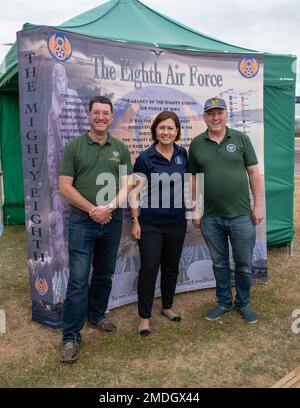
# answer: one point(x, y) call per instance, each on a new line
point(115, 156)
point(178, 160)
point(231, 148)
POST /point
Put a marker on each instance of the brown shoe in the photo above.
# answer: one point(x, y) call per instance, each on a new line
point(106, 325)
point(69, 352)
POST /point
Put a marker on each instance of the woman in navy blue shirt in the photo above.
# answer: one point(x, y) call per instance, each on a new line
point(160, 223)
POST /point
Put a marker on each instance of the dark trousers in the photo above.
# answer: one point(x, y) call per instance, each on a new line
point(159, 245)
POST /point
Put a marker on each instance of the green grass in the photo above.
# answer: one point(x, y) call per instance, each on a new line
point(194, 353)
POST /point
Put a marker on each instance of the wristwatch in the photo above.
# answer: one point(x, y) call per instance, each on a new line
point(134, 218)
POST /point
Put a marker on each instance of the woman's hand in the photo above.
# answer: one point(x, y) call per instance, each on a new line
point(196, 218)
point(135, 229)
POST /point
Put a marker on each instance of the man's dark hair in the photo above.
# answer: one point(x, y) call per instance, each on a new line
point(100, 99)
point(164, 115)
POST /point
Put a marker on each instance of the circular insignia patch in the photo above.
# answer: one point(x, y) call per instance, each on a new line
point(231, 148)
point(178, 160)
point(248, 67)
point(59, 47)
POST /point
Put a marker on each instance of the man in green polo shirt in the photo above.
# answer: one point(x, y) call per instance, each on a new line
point(91, 169)
point(225, 157)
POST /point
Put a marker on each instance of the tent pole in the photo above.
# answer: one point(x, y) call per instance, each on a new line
point(290, 249)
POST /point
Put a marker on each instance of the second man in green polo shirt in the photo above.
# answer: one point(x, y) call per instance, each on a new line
point(226, 157)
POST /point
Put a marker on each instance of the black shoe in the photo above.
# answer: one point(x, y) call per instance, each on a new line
point(173, 317)
point(144, 331)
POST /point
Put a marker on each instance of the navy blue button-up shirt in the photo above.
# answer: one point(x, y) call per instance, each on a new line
point(162, 197)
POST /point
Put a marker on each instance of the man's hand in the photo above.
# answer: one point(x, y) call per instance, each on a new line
point(101, 214)
point(257, 215)
point(257, 191)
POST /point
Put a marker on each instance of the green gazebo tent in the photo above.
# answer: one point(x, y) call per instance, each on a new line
point(132, 21)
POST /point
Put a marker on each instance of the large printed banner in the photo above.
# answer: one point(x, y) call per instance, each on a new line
point(58, 73)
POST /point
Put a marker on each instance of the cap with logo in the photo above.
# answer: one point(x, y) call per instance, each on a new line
point(213, 103)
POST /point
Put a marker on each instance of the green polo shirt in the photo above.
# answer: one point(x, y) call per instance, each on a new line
point(95, 167)
point(226, 188)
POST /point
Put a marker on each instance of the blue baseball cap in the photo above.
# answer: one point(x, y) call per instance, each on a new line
point(213, 103)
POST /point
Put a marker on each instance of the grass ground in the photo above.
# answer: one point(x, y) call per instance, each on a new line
point(194, 353)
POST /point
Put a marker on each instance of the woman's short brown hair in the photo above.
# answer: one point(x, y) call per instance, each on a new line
point(164, 115)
